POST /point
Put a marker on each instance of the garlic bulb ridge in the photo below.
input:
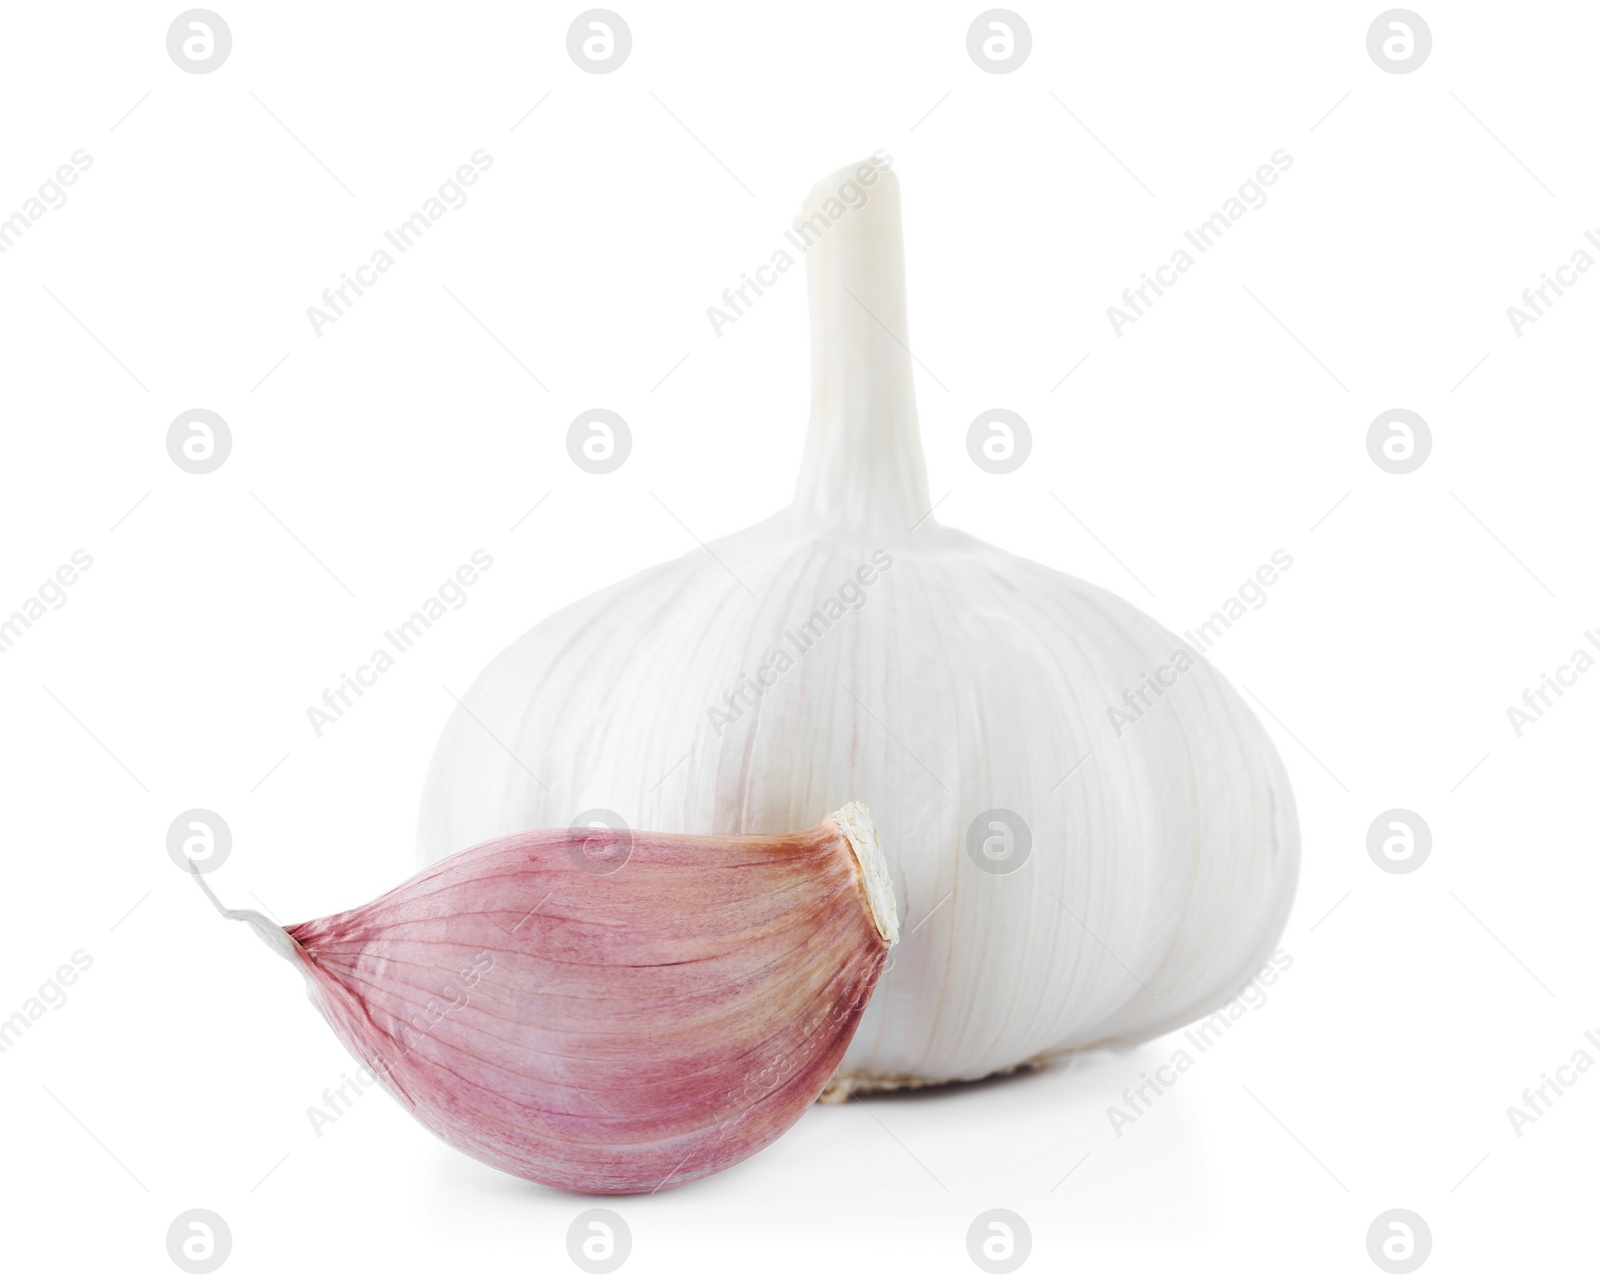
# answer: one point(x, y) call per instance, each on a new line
point(1072, 881)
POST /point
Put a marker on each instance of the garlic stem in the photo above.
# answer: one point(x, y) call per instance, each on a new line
point(863, 464)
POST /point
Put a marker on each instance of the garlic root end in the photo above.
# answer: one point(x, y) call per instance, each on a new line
point(846, 1084)
point(855, 822)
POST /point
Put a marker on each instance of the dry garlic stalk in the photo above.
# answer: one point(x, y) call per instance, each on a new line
point(865, 651)
point(609, 1012)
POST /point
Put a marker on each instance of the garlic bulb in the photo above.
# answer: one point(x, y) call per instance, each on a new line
point(608, 1012)
point(1090, 835)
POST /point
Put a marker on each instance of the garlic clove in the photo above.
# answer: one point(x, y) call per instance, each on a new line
point(607, 1012)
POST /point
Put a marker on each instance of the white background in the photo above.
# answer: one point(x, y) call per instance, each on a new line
point(371, 461)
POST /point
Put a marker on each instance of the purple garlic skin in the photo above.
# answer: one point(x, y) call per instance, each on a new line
point(607, 1012)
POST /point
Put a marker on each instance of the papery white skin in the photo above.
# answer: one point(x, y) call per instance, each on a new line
point(1162, 868)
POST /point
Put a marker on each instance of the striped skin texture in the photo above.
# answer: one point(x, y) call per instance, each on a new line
point(606, 1028)
point(939, 678)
